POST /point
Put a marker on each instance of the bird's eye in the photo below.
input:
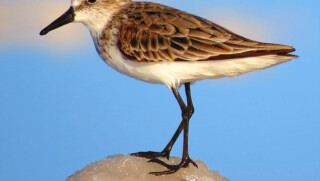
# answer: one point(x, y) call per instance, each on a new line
point(91, 1)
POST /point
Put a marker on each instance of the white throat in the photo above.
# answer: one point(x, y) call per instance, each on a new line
point(96, 18)
point(95, 22)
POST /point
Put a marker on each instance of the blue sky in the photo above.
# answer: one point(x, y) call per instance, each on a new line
point(62, 108)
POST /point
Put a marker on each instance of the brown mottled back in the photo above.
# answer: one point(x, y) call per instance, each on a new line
point(152, 32)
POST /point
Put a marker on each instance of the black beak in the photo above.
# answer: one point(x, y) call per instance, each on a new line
point(66, 18)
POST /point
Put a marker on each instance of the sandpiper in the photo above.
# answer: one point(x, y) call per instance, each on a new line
point(162, 45)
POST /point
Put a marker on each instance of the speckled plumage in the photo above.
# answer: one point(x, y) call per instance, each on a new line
point(178, 47)
point(151, 32)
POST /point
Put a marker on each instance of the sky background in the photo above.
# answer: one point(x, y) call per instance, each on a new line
point(62, 108)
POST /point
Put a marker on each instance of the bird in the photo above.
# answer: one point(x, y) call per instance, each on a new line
point(159, 44)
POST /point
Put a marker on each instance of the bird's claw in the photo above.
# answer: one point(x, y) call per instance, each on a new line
point(171, 168)
point(151, 154)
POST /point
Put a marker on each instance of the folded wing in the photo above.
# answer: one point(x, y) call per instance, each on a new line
point(161, 33)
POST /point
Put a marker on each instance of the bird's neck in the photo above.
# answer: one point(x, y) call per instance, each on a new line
point(103, 19)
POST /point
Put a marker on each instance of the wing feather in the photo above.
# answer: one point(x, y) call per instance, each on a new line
point(153, 32)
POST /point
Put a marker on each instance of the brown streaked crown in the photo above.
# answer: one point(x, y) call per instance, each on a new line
point(152, 32)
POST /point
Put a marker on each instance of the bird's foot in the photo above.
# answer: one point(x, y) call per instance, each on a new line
point(172, 168)
point(151, 154)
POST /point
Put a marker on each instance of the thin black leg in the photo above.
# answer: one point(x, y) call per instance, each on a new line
point(190, 111)
point(187, 112)
point(166, 151)
point(189, 100)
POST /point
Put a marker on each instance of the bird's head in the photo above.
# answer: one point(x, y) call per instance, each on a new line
point(95, 14)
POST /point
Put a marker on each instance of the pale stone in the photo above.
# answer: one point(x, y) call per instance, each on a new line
point(130, 168)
